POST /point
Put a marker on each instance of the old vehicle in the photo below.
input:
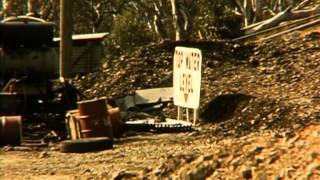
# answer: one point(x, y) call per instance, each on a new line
point(28, 66)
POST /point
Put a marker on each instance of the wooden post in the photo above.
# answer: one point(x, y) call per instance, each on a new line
point(66, 29)
point(195, 116)
point(179, 113)
point(187, 114)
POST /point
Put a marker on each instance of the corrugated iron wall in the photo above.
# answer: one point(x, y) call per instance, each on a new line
point(86, 58)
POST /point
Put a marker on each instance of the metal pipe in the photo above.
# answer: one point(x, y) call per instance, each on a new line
point(66, 29)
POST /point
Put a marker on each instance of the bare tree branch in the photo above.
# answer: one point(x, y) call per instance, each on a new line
point(301, 5)
point(286, 15)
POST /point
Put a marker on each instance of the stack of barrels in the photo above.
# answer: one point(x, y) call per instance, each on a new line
point(94, 119)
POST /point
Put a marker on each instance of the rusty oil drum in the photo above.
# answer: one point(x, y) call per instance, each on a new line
point(93, 119)
point(10, 130)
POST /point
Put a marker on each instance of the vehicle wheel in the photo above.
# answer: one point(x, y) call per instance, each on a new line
point(86, 145)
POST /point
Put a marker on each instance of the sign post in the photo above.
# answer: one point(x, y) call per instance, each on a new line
point(187, 80)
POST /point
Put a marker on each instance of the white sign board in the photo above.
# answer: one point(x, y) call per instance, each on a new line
point(187, 77)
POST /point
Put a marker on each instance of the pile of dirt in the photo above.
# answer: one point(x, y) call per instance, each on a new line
point(280, 76)
point(151, 67)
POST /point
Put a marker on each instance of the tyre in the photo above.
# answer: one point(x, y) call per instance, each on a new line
point(86, 145)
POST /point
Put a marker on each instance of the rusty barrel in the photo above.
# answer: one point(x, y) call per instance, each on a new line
point(116, 122)
point(10, 130)
point(93, 119)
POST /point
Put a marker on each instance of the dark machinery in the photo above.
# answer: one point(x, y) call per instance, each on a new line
point(28, 67)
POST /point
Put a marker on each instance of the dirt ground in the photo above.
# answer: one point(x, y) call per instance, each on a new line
point(194, 155)
point(259, 115)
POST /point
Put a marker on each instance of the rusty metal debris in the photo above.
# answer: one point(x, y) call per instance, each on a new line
point(145, 100)
point(10, 130)
point(155, 95)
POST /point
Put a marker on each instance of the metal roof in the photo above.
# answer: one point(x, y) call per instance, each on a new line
point(85, 37)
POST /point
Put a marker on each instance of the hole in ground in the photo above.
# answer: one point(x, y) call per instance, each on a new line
point(223, 107)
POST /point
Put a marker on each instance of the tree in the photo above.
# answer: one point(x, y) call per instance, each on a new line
point(13, 7)
point(217, 19)
point(183, 12)
point(97, 15)
point(169, 19)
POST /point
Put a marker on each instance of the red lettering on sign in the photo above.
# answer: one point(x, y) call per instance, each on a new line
point(185, 97)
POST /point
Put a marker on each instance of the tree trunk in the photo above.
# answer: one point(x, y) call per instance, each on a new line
point(7, 5)
point(281, 5)
point(259, 10)
point(158, 24)
point(175, 20)
point(12, 8)
point(272, 5)
point(181, 20)
point(248, 12)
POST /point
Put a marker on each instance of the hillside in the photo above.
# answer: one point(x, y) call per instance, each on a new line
point(273, 80)
point(259, 117)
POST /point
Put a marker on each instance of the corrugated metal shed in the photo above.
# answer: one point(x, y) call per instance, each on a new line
point(87, 52)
